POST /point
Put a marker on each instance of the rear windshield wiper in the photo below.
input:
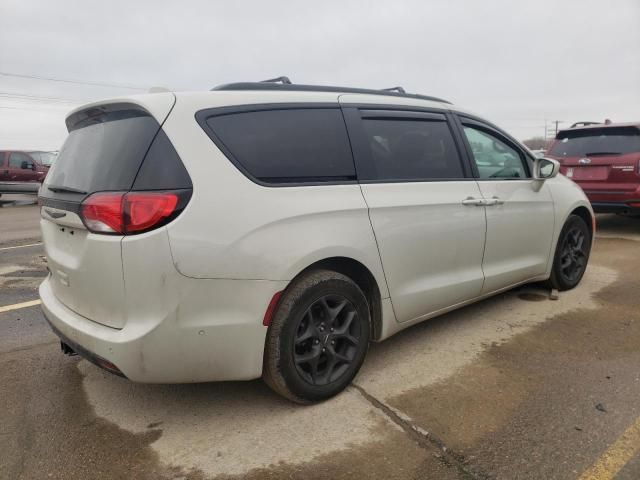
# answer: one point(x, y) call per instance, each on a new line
point(591, 154)
point(57, 189)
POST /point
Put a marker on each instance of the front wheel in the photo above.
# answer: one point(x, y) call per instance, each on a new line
point(318, 337)
point(572, 254)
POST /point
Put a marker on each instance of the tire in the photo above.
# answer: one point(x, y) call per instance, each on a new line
point(572, 254)
point(318, 337)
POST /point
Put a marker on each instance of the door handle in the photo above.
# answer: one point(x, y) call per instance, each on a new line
point(473, 201)
point(493, 201)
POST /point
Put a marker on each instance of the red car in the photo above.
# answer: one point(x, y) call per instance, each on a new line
point(20, 172)
point(604, 159)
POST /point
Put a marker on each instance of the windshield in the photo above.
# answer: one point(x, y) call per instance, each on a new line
point(594, 141)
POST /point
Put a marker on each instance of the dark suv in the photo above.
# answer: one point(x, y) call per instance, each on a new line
point(21, 172)
point(604, 159)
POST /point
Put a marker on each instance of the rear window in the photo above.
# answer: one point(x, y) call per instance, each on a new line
point(404, 149)
point(596, 141)
point(104, 150)
point(287, 146)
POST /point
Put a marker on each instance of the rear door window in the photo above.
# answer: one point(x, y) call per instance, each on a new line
point(294, 145)
point(411, 150)
point(596, 141)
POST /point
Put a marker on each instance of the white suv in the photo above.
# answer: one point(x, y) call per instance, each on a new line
point(274, 230)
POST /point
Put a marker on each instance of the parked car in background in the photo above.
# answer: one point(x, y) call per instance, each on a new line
point(604, 159)
point(21, 172)
point(45, 159)
point(539, 153)
point(275, 230)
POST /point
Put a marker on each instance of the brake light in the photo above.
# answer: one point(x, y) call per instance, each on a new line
point(144, 210)
point(126, 213)
point(102, 212)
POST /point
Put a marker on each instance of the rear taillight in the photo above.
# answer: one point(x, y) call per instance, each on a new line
point(143, 211)
point(102, 212)
point(126, 213)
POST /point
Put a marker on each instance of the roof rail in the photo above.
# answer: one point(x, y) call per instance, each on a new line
point(584, 124)
point(284, 84)
point(283, 80)
point(394, 89)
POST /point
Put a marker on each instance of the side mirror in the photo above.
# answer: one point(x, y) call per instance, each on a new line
point(545, 168)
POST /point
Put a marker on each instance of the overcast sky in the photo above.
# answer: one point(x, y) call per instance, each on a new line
point(518, 63)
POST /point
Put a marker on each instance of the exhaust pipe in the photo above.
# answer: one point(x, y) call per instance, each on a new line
point(67, 350)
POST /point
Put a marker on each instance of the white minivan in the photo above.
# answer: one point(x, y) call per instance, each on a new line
point(273, 230)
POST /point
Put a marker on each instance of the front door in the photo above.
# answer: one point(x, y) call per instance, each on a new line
point(21, 168)
point(425, 209)
point(520, 215)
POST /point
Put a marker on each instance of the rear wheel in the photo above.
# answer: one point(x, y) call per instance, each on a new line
point(318, 337)
point(572, 254)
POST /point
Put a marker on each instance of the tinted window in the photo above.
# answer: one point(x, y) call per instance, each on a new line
point(293, 145)
point(493, 157)
point(105, 153)
point(404, 149)
point(162, 168)
point(596, 141)
point(16, 159)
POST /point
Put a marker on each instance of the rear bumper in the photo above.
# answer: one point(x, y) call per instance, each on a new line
point(69, 347)
point(214, 333)
point(19, 187)
point(612, 199)
point(616, 207)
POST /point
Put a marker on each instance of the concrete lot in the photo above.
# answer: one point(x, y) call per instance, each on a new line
point(517, 386)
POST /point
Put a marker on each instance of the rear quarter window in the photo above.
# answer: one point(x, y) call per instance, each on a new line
point(282, 146)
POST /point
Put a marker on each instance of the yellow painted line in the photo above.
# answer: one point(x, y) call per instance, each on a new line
point(616, 456)
point(17, 306)
point(21, 246)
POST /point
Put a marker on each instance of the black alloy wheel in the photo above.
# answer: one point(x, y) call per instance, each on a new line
point(573, 257)
point(318, 337)
point(326, 340)
point(572, 254)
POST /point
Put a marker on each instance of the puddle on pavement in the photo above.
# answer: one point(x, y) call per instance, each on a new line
point(530, 404)
point(62, 437)
point(390, 455)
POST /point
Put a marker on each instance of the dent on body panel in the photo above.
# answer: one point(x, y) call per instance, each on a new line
point(276, 249)
point(280, 230)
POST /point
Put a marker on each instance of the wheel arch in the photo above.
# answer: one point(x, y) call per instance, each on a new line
point(584, 213)
point(365, 280)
